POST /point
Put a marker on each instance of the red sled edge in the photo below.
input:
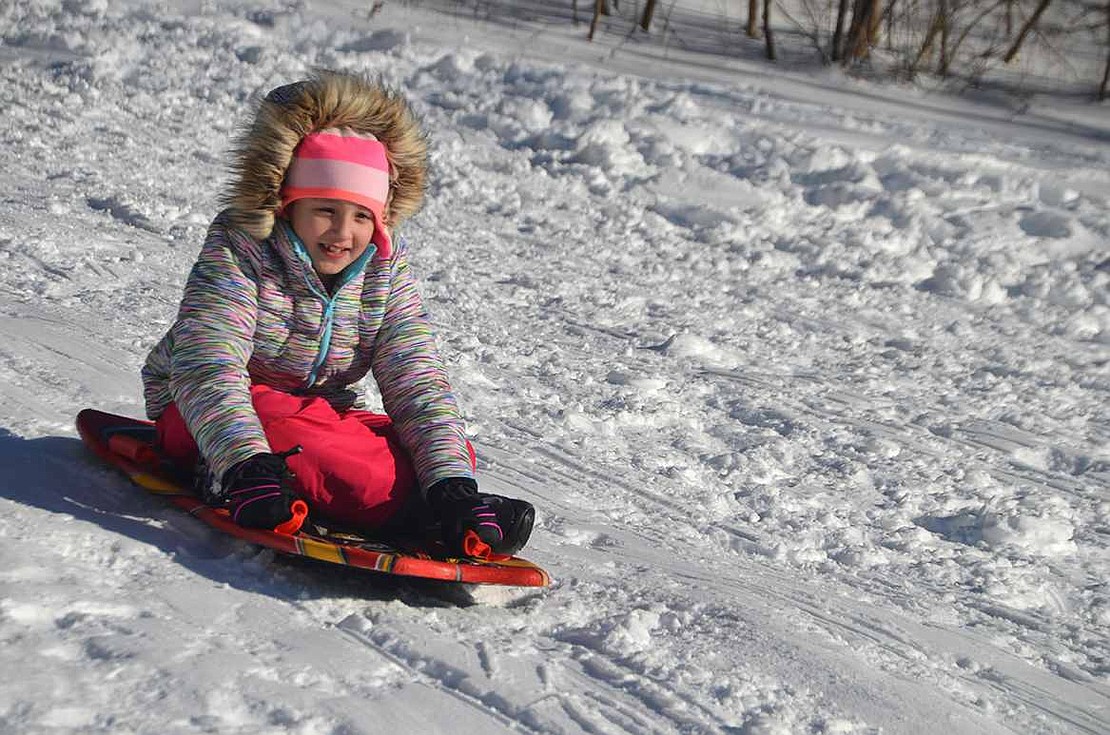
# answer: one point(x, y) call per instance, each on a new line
point(92, 425)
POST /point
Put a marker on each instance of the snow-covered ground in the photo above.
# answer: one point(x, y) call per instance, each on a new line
point(809, 379)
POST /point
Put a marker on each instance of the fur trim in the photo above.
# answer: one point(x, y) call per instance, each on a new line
point(324, 100)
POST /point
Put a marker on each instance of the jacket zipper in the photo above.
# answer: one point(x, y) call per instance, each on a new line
point(328, 301)
point(325, 338)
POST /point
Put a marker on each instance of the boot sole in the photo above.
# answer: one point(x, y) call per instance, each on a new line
point(521, 530)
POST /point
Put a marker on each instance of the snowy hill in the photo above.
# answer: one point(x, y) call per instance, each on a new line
point(809, 381)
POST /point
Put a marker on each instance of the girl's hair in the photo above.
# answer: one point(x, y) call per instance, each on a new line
point(327, 99)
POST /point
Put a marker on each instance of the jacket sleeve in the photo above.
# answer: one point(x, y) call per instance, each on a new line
point(413, 382)
point(212, 342)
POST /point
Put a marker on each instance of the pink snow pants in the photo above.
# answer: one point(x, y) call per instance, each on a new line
point(352, 470)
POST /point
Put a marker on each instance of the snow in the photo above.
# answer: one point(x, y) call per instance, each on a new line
point(807, 376)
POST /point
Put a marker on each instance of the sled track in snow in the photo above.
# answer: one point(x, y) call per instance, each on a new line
point(893, 642)
point(598, 692)
point(434, 673)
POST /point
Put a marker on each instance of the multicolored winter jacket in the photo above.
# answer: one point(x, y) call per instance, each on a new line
point(255, 311)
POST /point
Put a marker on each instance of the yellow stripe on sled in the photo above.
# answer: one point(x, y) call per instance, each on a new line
point(319, 550)
point(156, 485)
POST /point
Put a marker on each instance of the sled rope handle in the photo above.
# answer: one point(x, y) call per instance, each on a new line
point(475, 547)
point(291, 526)
point(133, 449)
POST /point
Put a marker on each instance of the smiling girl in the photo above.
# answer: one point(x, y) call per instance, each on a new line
point(299, 292)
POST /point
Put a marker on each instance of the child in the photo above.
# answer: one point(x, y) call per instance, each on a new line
point(298, 293)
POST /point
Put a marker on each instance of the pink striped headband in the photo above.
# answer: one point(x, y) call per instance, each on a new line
point(342, 164)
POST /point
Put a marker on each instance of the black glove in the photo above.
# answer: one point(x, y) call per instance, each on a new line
point(258, 491)
point(474, 524)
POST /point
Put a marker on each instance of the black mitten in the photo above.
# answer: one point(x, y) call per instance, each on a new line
point(258, 491)
point(476, 524)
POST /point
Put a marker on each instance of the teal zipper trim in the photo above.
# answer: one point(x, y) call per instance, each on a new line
point(345, 277)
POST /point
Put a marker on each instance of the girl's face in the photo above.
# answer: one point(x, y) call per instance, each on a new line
point(334, 232)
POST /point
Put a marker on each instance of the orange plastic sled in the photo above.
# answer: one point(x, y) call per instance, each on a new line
point(128, 444)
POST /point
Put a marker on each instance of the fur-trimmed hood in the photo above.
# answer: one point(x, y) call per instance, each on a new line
point(324, 100)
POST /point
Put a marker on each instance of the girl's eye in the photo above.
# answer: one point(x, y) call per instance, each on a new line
point(362, 217)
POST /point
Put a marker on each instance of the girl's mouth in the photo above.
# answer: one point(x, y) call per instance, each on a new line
point(334, 250)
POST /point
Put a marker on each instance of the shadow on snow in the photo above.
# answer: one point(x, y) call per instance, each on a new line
point(60, 476)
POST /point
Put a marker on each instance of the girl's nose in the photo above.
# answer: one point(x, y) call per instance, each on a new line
point(342, 225)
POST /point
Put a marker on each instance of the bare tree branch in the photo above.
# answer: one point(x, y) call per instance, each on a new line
point(973, 24)
point(599, 6)
point(1103, 88)
point(837, 51)
point(861, 32)
point(946, 16)
point(649, 11)
point(926, 49)
point(768, 35)
point(1025, 30)
point(812, 32)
